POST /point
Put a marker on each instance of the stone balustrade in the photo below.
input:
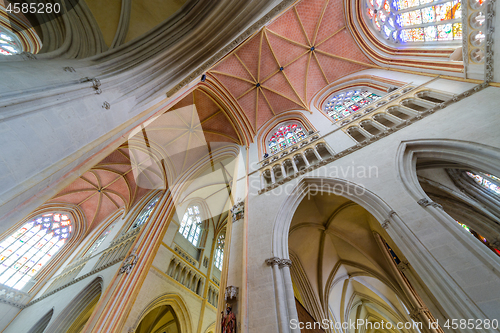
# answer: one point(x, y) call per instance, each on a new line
point(293, 161)
point(13, 296)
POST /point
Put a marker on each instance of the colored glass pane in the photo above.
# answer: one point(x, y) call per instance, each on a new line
point(487, 181)
point(344, 104)
point(444, 32)
point(413, 20)
point(191, 225)
point(479, 237)
point(284, 137)
point(457, 31)
point(387, 7)
point(27, 250)
point(430, 33)
point(382, 16)
point(9, 43)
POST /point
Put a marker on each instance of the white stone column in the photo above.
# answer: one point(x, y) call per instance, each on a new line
point(294, 166)
point(365, 133)
point(273, 178)
point(281, 308)
point(305, 159)
point(262, 181)
point(283, 171)
point(290, 297)
point(318, 156)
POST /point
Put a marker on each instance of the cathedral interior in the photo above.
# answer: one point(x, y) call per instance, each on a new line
point(253, 166)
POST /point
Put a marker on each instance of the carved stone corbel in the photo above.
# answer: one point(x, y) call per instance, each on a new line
point(238, 211)
point(403, 266)
point(426, 203)
point(128, 263)
point(231, 292)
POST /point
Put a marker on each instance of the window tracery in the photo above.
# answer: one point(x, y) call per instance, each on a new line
point(285, 136)
point(145, 213)
point(219, 251)
point(9, 43)
point(416, 20)
point(346, 103)
point(191, 224)
point(26, 251)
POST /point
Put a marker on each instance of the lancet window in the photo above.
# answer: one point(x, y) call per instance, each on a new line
point(285, 136)
point(343, 104)
point(191, 225)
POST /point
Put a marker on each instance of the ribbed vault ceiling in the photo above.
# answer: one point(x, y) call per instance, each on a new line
point(284, 65)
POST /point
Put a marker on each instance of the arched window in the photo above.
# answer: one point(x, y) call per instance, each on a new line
point(27, 250)
point(101, 238)
point(285, 136)
point(487, 181)
point(145, 213)
point(343, 104)
point(191, 225)
point(219, 251)
point(9, 43)
point(416, 20)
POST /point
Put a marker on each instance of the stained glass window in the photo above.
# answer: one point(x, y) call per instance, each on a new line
point(101, 238)
point(487, 181)
point(27, 250)
point(191, 225)
point(9, 43)
point(481, 238)
point(219, 251)
point(416, 20)
point(145, 213)
point(344, 104)
point(284, 137)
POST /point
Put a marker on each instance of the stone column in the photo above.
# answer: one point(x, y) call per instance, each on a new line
point(273, 178)
point(318, 156)
point(283, 171)
point(290, 297)
point(281, 307)
point(262, 181)
point(294, 166)
point(305, 159)
point(365, 133)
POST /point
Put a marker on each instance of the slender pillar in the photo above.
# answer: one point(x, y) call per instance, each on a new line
point(305, 159)
point(280, 295)
point(419, 311)
point(290, 297)
point(273, 178)
point(294, 166)
point(262, 181)
point(283, 171)
point(318, 156)
point(365, 133)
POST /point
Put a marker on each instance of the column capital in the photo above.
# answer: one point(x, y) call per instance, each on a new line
point(403, 266)
point(416, 312)
point(285, 263)
point(273, 261)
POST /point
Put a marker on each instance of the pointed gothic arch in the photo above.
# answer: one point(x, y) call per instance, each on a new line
point(179, 307)
point(445, 292)
point(76, 314)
